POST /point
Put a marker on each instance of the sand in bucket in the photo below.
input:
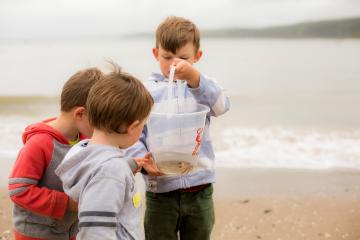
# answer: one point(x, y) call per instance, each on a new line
point(177, 163)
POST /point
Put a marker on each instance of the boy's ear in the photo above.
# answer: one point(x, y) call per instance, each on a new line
point(198, 56)
point(79, 112)
point(132, 126)
point(155, 52)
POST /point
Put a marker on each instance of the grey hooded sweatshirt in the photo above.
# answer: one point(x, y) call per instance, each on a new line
point(103, 183)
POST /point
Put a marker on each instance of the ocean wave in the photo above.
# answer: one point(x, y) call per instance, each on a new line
point(11, 128)
point(289, 148)
point(247, 147)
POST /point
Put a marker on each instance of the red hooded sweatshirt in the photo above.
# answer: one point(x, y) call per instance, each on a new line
point(37, 192)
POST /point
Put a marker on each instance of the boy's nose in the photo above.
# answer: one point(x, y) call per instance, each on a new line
point(175, 61)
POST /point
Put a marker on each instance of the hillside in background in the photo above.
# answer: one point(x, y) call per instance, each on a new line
point(344, 28)
point(340, 28)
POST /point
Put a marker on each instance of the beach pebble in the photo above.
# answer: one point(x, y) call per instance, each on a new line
point(266, 211)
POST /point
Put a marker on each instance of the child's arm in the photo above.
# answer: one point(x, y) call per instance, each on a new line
point(100, 204)
point(137, 152)
point(204, 90)
point(24, 188)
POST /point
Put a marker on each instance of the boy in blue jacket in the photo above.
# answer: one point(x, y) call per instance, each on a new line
point(182, 205)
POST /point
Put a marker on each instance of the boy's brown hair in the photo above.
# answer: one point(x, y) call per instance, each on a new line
point(175, 32)
point(77, 88)
point(117, 101)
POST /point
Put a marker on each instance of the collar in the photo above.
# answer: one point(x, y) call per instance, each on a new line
point(157, 77)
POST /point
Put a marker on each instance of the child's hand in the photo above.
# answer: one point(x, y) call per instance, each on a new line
point(148, 164)
point(185, 71)
point(72, 205)
point(139, 163)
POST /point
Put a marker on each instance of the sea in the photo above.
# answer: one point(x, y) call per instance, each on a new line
point(295, 103)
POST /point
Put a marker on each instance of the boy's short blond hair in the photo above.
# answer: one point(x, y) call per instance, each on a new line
point(175, 32)
point(117, 101)
point(77, 88)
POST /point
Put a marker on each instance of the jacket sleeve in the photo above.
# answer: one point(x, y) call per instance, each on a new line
point(98, 212)
point(24, 189)
point(211, 94)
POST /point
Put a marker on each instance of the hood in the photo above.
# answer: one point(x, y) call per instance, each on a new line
point(80, 164)
point(40, 128)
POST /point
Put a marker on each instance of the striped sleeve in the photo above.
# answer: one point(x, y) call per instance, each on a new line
point(23, 185)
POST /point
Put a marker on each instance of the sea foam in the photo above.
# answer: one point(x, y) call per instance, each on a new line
point(289, 148)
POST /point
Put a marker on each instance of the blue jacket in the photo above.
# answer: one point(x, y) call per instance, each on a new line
point(208, 93)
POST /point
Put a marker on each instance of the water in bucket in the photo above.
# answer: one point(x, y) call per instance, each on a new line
point(175, 128)
point(174, 139)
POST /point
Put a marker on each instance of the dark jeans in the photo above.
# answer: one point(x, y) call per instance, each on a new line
point(191, 214)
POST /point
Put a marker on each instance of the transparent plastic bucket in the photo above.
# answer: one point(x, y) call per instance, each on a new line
point(174, 138)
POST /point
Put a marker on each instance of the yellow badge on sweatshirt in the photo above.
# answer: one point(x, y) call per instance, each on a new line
point(137, 199)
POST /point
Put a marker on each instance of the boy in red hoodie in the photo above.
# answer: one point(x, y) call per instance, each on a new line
point(42, 210)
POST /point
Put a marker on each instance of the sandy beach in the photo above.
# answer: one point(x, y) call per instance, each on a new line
point(280, 204)
point(274, 204)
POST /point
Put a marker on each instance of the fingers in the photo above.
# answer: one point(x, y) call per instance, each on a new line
point(148, 155)
point(180, 65)
point(139, 161)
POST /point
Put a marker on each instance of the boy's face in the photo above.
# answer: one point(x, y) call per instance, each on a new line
point(166, 58)
point(135, 131)
point(139, 128)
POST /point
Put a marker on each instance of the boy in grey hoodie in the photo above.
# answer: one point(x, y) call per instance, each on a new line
point(96, 173)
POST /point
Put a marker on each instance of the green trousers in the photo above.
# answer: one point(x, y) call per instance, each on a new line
point(189, 215)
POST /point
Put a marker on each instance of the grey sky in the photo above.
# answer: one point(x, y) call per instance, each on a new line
point(56, 18)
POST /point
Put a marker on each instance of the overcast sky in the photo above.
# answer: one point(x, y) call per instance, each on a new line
point(57, 18)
